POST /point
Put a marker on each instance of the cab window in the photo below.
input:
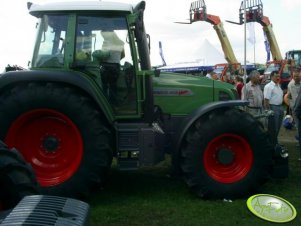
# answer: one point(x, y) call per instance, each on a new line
point(102, 47)
point(50, 45)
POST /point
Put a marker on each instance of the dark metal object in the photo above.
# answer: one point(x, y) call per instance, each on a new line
point(39, 210)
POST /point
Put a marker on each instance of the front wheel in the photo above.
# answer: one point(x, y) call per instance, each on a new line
point(226, 155)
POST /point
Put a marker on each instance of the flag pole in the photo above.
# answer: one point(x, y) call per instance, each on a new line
point(245, 44)
point(254, 54)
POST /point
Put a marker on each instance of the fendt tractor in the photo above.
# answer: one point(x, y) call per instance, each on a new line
point(91, 95)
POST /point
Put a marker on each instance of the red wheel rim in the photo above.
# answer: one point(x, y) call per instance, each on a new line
point(239, 158)
point(50, 142)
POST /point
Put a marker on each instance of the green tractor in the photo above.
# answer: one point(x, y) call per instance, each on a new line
point(91, 95)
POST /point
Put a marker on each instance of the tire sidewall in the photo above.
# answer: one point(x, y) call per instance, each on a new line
point(231, 122)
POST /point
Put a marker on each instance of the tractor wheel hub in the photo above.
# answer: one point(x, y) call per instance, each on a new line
point(225, 156)
point(50, 143)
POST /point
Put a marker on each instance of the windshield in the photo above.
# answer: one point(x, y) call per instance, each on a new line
point(296, 55)
point(49, 50)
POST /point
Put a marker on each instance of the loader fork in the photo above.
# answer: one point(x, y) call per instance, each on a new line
point(198, 11)
point(254, 11)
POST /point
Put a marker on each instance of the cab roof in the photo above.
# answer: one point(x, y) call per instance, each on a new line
point(35, 9)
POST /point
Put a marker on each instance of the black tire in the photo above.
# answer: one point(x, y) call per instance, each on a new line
point(17, 178)
point(226, 154)
point(61, 133)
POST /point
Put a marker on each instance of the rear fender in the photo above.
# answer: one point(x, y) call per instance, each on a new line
point(67, 77)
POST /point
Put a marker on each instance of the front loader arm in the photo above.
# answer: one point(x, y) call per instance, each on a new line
point(198, 13)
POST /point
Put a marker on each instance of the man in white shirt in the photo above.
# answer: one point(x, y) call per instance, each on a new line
point(273, 99)
point(114, 47)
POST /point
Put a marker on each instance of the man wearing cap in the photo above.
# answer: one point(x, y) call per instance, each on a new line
point(253, 93)
point(273, 99)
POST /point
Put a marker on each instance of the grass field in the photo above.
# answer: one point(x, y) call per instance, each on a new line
point(149, 198)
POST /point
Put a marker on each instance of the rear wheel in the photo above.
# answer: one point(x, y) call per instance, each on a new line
point(17, 178)
point(226, 155)
point(61, 133)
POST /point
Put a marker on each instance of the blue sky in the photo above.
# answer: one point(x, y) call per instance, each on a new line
point(180, 42)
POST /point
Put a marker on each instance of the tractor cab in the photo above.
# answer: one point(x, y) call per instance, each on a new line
point(102, 45)
point(294, 55)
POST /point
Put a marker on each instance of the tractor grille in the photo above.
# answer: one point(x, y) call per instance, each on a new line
point(128, 140)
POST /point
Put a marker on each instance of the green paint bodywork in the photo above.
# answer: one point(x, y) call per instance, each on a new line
point(176, 94)
point(203, 91)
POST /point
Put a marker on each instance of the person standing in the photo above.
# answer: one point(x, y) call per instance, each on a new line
point(292, 93)
point(297, 112)
point(209, 75)
point(253, 93)
point(273, 99)
point(214, 76)
point(110, 67)
point(238, 81)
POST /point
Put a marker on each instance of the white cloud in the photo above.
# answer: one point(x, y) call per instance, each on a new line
point(290, 4)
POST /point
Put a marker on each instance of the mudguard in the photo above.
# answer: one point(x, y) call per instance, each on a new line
point(65, 77)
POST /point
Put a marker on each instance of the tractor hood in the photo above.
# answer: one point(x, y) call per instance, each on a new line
point(181, 93)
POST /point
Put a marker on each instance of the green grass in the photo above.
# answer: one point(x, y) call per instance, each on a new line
point(149, 198)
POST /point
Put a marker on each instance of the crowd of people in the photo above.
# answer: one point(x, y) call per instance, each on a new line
point(271, 97)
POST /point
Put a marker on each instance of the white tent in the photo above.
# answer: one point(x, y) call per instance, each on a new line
point(209, 54)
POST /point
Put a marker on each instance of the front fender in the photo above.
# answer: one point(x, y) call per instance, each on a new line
point(12, 78)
